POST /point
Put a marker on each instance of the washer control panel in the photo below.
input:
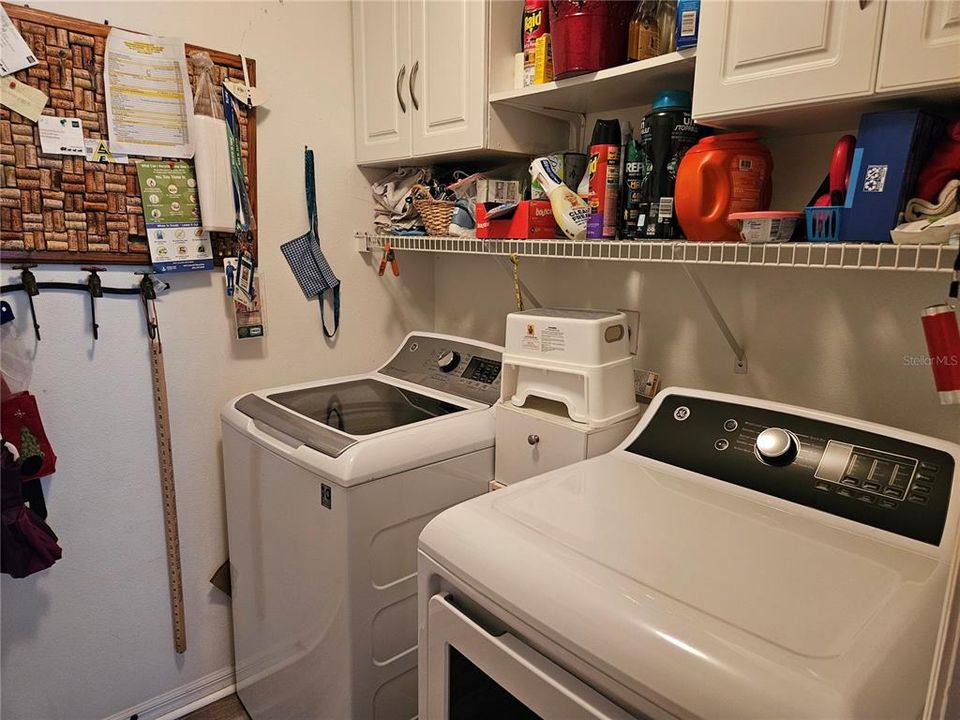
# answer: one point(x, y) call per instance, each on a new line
point(450, 365)
point(881, 481)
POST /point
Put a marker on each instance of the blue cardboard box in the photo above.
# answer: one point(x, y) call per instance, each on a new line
point(892, 147)
point(688, 23)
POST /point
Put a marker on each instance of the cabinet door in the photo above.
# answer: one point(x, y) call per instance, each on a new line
point(921, 45)
point(528, 445)
point(381, 69)
point(757, 56)
point(448, 82)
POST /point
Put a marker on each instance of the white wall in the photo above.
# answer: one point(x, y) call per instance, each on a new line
point(840, 341)
point(91, 637)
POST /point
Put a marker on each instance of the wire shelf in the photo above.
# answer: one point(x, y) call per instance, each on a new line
point(833, 256)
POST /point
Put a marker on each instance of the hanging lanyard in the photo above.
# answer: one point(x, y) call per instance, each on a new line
point(310, 189)
point(241, 198)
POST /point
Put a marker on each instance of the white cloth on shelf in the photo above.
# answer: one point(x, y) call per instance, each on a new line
point(394, 209)
point(947, 203)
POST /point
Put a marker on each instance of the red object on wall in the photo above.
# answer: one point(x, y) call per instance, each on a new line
point(588, 35)
point(942, 332)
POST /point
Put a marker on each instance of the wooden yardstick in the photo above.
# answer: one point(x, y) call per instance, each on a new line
point(165, 453)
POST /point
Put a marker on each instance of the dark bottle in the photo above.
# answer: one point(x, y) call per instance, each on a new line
point(630, 192)
point(666, 133)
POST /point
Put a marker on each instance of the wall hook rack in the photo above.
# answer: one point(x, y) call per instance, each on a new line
point(29, 285)
point(95, 286)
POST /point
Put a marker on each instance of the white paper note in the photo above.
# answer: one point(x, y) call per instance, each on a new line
point(22, 98)
point(15, 54)
point(60, 136)
point(149, 101)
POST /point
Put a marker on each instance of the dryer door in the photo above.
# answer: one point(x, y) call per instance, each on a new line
point(474, 674)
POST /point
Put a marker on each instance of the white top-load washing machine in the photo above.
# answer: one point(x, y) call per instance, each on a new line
point(732, 558)
point(328, 485)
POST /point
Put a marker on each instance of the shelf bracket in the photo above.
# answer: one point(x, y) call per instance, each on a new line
point(739, 354)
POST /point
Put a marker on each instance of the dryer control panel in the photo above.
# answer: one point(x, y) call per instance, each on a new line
point(881, 481)
point(448, 364)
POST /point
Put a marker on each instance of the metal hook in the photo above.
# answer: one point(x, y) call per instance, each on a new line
point(29, 281)
point(148, 293)
point(95, 288)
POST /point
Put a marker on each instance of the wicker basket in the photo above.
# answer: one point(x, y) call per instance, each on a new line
point(436, 214)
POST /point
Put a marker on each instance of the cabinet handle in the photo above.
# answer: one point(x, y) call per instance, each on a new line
point(533, 439)
point(863, 4)
point(413, 79)
point(403, 71)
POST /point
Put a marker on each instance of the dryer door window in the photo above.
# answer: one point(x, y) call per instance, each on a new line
point(472, 674)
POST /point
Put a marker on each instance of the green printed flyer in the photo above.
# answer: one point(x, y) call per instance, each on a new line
point(171, 210)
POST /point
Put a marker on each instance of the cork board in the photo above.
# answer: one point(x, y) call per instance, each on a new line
point(56, 208)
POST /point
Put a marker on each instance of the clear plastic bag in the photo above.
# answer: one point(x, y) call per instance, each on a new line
point(16, 358)
point(206, 98)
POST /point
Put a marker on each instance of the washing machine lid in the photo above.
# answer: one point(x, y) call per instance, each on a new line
point(354, 409)
point(365, 406)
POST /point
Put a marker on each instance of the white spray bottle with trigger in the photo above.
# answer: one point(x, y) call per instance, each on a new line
point(569, 209)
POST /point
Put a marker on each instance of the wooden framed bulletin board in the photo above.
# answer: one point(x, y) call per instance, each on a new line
point(63, 209)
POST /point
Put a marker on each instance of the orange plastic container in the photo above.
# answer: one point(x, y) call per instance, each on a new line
point(720, 175)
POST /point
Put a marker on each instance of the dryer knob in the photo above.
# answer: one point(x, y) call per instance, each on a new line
point(448, 360)
point(776, 446)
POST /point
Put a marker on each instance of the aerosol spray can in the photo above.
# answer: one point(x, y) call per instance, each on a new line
point(603, 168)
point(632, 179)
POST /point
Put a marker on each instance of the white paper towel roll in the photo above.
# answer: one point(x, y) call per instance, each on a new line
point(214, 180)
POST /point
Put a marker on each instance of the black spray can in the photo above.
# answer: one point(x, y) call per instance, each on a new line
point(632, 177)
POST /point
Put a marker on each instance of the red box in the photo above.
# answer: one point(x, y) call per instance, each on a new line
point(533, 219)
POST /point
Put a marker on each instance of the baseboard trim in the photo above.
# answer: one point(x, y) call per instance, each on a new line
point(186, 698)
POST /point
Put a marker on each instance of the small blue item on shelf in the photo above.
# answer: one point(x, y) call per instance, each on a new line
point(823, 223)
point(688, 23)
point(892, 147)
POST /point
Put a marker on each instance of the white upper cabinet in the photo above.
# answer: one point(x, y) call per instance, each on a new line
point(419, 69)
point(381, 71)
point(448, 75)
point(755, 56)
point(921, 45)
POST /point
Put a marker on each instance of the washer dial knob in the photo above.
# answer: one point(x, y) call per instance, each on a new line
point(448, 360)
point(776, 446)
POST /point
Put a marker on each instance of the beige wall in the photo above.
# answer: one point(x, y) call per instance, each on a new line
point(91, 636)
